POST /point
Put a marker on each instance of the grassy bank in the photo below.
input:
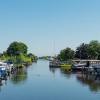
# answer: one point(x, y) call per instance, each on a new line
point(19, 61)
point(66, 67)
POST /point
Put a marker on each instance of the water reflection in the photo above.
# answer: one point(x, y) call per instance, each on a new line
point(51, 84)
point(93, 81)
point(66, 73)
point(63, 72)
point(53, 70)
point(19, 76)
point(3, 81)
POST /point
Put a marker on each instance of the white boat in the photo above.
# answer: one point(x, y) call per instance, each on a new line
point(2, 64)
point(79, 65)
point(3, 69)
point(5, 66)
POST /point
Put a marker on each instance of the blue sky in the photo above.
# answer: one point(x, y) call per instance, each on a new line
point(41, 24)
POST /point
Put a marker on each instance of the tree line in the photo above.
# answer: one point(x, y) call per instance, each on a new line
point(83, 51)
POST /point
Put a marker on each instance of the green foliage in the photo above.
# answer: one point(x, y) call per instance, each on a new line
point(22, 58)
point(16, 48)
point(66, 54)
point(17, 53)
point(82, 51)
point(32, 56)
point(88, 51)
point(94, 49)
point(66, 67)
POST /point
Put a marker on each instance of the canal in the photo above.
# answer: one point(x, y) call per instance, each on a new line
point(39, 82)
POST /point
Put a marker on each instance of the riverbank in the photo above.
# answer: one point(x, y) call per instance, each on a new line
point(18, 60)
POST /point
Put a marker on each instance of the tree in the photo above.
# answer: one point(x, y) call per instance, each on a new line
point(94, 49)
point(32, 56)
point(17, 48)
point(88, 51)
point(66, 54)
point(1, 55)
point(82, 51)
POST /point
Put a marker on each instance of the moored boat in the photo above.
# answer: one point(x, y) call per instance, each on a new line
point(79, 66)
point(3, 69)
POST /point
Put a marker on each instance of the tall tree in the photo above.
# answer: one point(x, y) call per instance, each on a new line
point(82, 51)
point(94, 49)
point(88, 51)
point(17, 48)
point(66, 54)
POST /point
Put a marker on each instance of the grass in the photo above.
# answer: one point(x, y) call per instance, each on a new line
point(66, 67)
point(18, 60)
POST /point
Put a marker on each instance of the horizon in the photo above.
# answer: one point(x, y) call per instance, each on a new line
point(49, 26)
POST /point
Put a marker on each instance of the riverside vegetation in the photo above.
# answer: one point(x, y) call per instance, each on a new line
point(17, 52)
point(84, 51)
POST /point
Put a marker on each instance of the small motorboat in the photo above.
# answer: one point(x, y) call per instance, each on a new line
point(79, 66)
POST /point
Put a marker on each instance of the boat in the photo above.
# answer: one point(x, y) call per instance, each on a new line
point(9, 63)
point(3, 69)
point(80, 66)
point(54, 64)
point(97, 68)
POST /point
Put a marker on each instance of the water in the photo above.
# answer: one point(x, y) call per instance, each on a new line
point(39, 82)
